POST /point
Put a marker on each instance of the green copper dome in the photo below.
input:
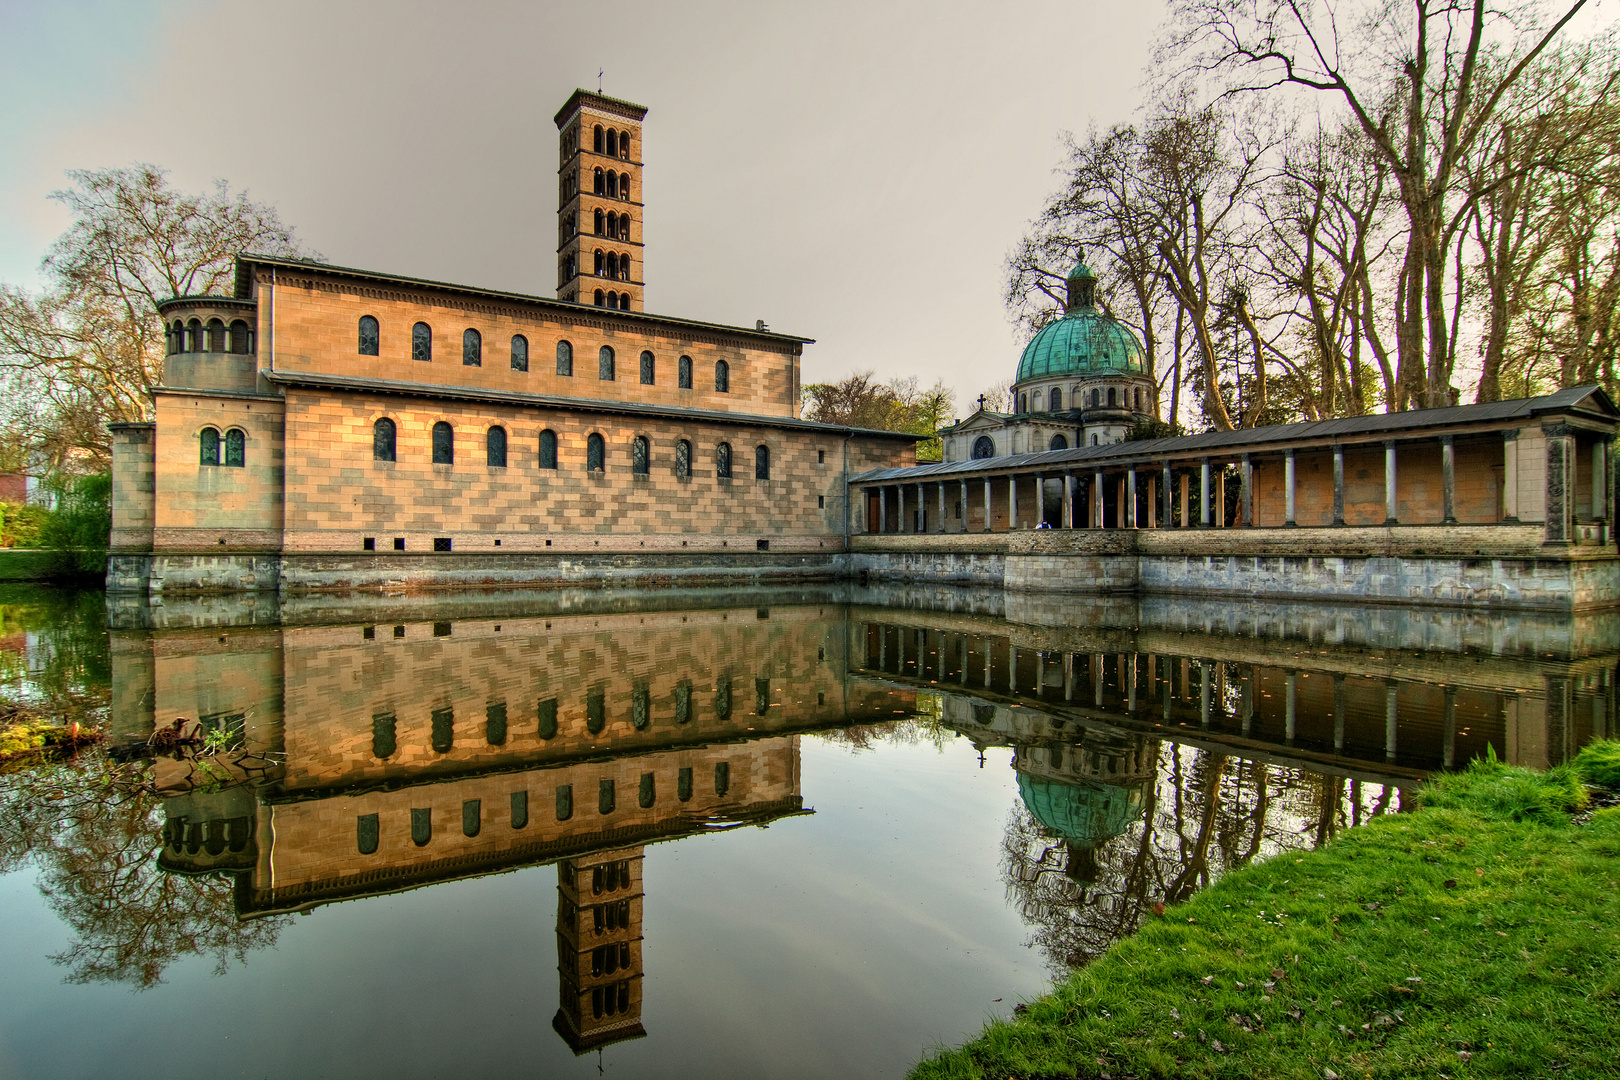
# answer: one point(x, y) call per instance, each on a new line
point(1084, 812)
point(1084, 341)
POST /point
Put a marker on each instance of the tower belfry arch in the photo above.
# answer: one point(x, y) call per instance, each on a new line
point(599, 207)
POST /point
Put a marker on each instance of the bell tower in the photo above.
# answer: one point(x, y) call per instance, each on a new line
point(599, 249)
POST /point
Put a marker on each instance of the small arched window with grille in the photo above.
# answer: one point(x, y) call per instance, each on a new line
point(235, 448)
point(1059, 443)
point(565, 802)
point(683, 460)
point(370, 336)
point(495, 447)
point(367, 833)
point(565, 358)
point(683, 373)
point(520, 353)
point(722, 461)
point(444, 444)
point(421, 826)
point(648, 369)
point(640, 456)
point(383, 435)
point(548, 449)
point(472, 348)
point(722, 377)
point(984, 447)
point(242, 337)
point(604, 364)
point(421, 342)
point(208, 446)
point(595, 453)
point(762, 462)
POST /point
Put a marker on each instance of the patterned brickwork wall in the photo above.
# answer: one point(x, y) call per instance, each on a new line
point(134, 486)
point(239, 507)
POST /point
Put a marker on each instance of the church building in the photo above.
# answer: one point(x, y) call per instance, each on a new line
point(1080, 382)
point(326, 427)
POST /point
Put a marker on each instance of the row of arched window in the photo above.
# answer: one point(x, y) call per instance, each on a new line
point(210, 446)
point(212, 336)
point(613, 299)
point(611, 142)
point(613, 265)
point(616, 226)
point(611, 184)
point(1052, 400)
point(385, 447)
point(472, 355)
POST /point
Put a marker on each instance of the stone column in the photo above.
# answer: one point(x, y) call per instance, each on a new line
point(883, 647)
point(1012, 668)
point(1119, 503)
point(1510, 475)
point(1128, 669)
point(1338, 485)
point(1203, 692)
point(1012, 502)
point(1448, 480)
point(1068, 500)
point(1389, 483)
point(1560, 484)
point(1288, 488)
point(1068, 676)
point(1203, 493)
point(988, 521)
point(883, 509)
point(1220, 498)
point(1130, 496)
point(1186, 503)
point(900, 508)
point(1389, 720)
point(1169, 497)
point(1152, 501)
point(1040, 501)
point(1246, 490)
point(922, 506)
point(1600, 475)
point(1097, 521)
point(1097, 680)
point(963, 482)
point(943, 517)
point(1338, 712)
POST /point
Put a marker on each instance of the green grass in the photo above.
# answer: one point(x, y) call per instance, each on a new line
point(21, 565)
point(1474, 937)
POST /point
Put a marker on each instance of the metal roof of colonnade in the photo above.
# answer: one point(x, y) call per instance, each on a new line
point(1592, 401)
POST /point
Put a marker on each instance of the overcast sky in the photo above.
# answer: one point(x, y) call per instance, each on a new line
point(852, 171)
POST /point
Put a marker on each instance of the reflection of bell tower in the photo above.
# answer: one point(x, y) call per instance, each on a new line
point(599, 902)
point(599, 208)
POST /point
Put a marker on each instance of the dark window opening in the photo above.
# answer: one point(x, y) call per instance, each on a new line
point(495, 723)
point(640, 706)
point(1059, 443)
point(762, 696)
point(520, 809)
point(548, 449)
point(984, 447)
point(648, 365)
point(443, 730)
point(421, 826)
point(472, 348)
point(683, 373)
point(595, 711)
point(208, 446)
point(565, 802)
point(762, 544)
point(384, 729)
point(722, 699)
point(441, 543)
point(548, 718)
point(565, 358)
point(241, 337)
point(604, 364)
point(722, 461)
point(399, 545)
point(444, 444)
point(648, 793)
point(495, 447)
point(367, 833)
point(370, 336)
point(472, 817)
point(683, 785)
point(640, 456)
point(595, 453)
point(722, 377)
point(683, 701)
point(605, 798)
point(722, 778)
point(422, 342)
point(520, 353)
point(762, 462)
point(382, 439)
point(683, 459)
point(235, 448)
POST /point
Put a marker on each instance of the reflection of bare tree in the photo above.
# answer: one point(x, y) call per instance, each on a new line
point(92, 828)
point(1206, 813)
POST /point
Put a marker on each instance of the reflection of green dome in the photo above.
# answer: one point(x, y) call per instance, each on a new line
point(1084, 812)
point(1084, 341)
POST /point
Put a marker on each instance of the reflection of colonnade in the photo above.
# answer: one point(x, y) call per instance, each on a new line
point(376, 758)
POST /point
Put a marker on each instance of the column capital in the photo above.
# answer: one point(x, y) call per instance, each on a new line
point(1510, 434)
point(1447, 439)
point(1389, 444)
point(1558, 431)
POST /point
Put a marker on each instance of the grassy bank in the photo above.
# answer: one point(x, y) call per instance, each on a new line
point(1474, 937)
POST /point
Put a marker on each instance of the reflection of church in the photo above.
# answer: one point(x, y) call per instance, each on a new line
point(379, 758)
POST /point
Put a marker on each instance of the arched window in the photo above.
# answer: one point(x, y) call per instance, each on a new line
point(722, 377)
point(520, 353)
point(612, 185)
point(367, 833)
point(601, 262)
point(1096, 398)
point(208, 446)
point(241, 336)
point(1059, 443)
point(612, 224)
point(722, 698)
point(596, 139)
point(640, 456)
point(383, 732)
point(495, 447)
point(624, 186)
point(600, 230)
point(472, 817)
point(548, 449)
point(1112, 400)
point(984, 447)
point(595, 454)
point(442, 730)
point(683, 785)
point(1057, 399)
point(421, 342)
point(598, 297)
point(648, 369)
point(683, 459)
point(1094, 440)
point(382, 439)
point(565, 801)
point(722, 778)
point(565, 356)
point(177, 337)
point(613, 299)
point(444, 444)
point(612, 265)
point(216, 335)
point(194, 336)
point(683, 373)
point(598, 182)
point(624, 302)
point(548, 719)
point(1023, 403)
point(370, 336)
point(1136, 397)
point(624, 267)
point(612, 143)
point(604, 364)
point(624, 227)
point(472, 348)
point(573, 269)
point(648, 793)
point(421, 827)
point(722, 461)
point(235, 448)
point(595, 711)
point(762, 462)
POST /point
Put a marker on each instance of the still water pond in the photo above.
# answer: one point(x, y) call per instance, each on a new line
point(801, 833)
